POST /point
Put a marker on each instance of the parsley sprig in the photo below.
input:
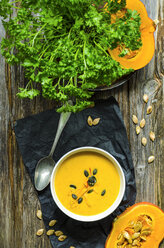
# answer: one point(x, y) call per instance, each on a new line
point(63, 46)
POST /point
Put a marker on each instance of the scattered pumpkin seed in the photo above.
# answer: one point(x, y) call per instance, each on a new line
point(142, 123)
point(90, 191)
point(103, 192)
point(80, 200)
point(151, 159)
point(74, 196)
point(52, 222)
point(94, 171)
point(89, 121)
point(156, 22)
point(152, 136)
point(86, 173)
point(149, 110)
point(39, 214)
point(58, 233)
point(135, 119)
point(96, 121)
point(145, 98)
point(40, 232)
point(138, 129)
point(62, 237)
point(144, 141)
point(50, 232)
point(72, 186)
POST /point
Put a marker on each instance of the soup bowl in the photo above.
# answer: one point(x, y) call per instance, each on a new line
point(87, 193)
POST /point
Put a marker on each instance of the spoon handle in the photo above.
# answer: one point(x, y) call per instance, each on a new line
point(62, 122)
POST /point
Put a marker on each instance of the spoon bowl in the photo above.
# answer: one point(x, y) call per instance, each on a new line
point(43, 172)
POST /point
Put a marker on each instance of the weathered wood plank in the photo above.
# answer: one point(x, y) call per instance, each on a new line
point(18, 197)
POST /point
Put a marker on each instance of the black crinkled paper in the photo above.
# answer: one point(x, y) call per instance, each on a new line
point(35, 135)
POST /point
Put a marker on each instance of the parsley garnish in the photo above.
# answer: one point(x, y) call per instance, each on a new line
point(63, 45)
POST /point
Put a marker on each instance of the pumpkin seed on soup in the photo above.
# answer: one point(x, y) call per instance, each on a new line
point(103, 192)
point(80, 200)
point(74, 196)
point(90, 191)
point(94, 171)
point(72, 186)
point(86, 173)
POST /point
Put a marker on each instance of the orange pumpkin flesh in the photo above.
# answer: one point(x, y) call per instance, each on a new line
point(142, 57)
point(136, 212)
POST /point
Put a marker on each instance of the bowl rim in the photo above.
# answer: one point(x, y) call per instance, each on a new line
point(103, 214)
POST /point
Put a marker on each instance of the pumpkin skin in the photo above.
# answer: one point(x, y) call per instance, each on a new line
point(131, 213)
point(140, 58)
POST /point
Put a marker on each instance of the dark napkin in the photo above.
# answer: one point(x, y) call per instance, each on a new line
point(35, 135)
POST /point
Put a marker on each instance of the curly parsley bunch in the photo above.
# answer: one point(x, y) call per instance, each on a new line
point(63, 46)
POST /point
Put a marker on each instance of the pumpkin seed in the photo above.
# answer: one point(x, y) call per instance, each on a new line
point(52, 222)
point(145, 98)
point(152, 136)
point(131, 223)
point(149, 110)
point(58, 233)
point(138, 129)
point(142, 123)
point(40, 232)
point(94, 171)
point(86, 173)
point(135, 235)
point(144, 141)
point(121, 241)
point(143, 237)
point(72, 186)
point(145, 233)
point(151, 159)
point(90, 191)
point(74, 196)
point(138, 226)
point(127, 237)
point(119, 236)
point(103, 192)
point(62, 237)
point(91, 181)
point(50, 232)
point(89, 120)
point(96, 121)
point(39, 214)
point(136, 242)
point(135, 119)
point(80, 200)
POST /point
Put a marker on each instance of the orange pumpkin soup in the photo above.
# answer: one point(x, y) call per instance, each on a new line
point(87, 183)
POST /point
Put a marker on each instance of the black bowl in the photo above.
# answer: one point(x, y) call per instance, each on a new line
point(115, 84)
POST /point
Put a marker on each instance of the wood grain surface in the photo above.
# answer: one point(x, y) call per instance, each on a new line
point(18, 198)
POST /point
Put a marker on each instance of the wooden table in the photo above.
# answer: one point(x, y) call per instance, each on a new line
point(18, 198)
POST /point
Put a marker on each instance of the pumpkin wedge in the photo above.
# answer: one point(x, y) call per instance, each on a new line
point(139, 58)
point(141, 225)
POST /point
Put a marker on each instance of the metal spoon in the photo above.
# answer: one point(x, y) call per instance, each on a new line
point(45, 165)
